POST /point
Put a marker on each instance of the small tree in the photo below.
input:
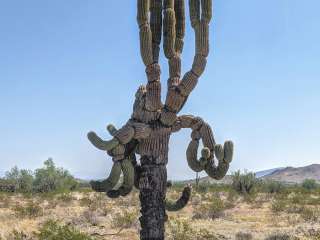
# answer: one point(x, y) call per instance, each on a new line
point(50, 178)
point(22, 180)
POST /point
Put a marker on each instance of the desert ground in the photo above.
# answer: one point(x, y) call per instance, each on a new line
point(210, 214)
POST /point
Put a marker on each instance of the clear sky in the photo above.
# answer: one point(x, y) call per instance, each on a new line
point(67, 67)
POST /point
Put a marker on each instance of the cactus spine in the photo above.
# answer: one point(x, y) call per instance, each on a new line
point(148, 131)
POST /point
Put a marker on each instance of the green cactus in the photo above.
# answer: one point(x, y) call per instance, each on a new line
point(100, 144)
point(110, 182)
point(172, 206)
point(148, 131)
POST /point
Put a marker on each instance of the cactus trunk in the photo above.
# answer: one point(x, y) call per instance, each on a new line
point(152, 199)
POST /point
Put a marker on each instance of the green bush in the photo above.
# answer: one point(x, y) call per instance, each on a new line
point(273, 187)
point(51, 230)
point(244, 183)
point(22, 180)
point(310, 184)
point(50, 178)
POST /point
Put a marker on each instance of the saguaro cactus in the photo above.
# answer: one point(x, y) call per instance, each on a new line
point(148, 131)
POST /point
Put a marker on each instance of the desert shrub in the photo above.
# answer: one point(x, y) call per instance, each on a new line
point(244, 183)
point(180, 229)
point(91, 217)
point(244, 236)
point(50, 178)
point(212, 209)
point(204, 234)
point(310, 184)
point(298, 198)
point(273, 187)
point(65, 197)
point(21, 180)
point(310, 214)
point(7, 186)
point(279, 236)
point(51, 230)
point(31, 210)
point(124, 219)
point(16, 235)
point(278, 205)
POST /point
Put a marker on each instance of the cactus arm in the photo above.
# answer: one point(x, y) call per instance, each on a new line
point(224, 155)
point(110, 182)
point(149, 49)
point(156, 27)
point(100, 144)
point(179, 90)
point(128, 180)
point(192, 152)
point(172, 206)
point(179, 8)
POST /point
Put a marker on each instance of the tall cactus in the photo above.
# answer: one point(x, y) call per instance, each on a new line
point(148, 131)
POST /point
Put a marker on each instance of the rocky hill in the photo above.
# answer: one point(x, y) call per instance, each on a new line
point(295, 175)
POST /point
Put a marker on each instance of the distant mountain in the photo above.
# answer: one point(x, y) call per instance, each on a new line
point(295, 175)
point(266, 172)
point(285, 175)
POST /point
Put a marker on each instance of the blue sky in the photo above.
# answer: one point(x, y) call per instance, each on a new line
point(68, 67)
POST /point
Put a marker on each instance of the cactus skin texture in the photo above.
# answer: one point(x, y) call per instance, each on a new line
point(147, 133)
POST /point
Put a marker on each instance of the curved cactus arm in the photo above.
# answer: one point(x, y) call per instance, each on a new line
point(224, 155)
point(128, 180)
point(192, 156)
point(172, 206)
point(109, 183)
point(200, 131)
point(101, 144)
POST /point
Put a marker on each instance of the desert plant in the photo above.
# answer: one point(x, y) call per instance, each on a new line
point(244, 236)
point(124, 219)
point(21, 179)
point(50, 178)
point(180, 229)
point(310, 184)
point(244, 183)
point(51, 230)
point(279, 236)
point(310, 214)
point(213, 209)
point(148, 131)
point(278, 205)
point(273, 186)
point(31, 210)
point(18, 235)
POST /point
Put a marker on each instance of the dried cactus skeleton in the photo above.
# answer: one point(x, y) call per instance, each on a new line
point(148, 131)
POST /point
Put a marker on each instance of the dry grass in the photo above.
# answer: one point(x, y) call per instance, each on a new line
point(221, 215)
